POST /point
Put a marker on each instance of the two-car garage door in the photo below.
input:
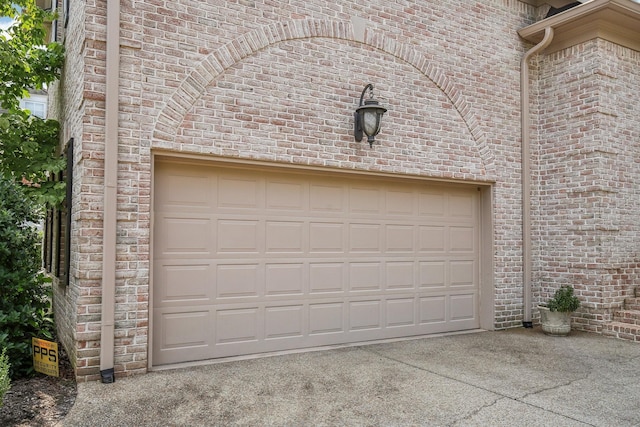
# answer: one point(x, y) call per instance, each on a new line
point(250, 259)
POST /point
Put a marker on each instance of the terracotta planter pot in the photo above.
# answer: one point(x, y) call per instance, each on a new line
point(556, 323)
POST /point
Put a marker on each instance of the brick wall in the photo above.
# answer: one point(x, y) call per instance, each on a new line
point(67, 105)
point(278, 81)
point(587, 174)
point(435, 61)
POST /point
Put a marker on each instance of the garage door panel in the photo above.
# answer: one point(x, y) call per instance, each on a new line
point(433, 309)
point(186, 189)
point(400, 312)
point(462, 205)
point(399, 202)
point(432, 238)
point(365, 238)
point(239, 236)
point(433, 274)
point(237, 325)
point(326, 198)
point(400, 238)
point(285, 195)
point(181, 281)
point(179, 332)
point(462, 273)
point(326, 237)
point(238, 280)
point(186, 235)
point(326, 277)
point(400, 275)
point(462, 239)
point(432, 205)
point(284, 279)
point(285, 236)
point(183, 329)
point(239, 192)
point(285, 321)
point(365, 315)
point(365, 276)
point(255, 260)
point(327, 318)
point(363, 200)
point(463, 306)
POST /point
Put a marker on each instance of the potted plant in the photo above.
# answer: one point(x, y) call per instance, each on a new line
point(555, 315)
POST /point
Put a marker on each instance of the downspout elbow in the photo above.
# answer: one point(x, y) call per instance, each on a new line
point(526, 175)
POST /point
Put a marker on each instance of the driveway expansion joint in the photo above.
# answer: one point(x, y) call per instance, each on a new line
point(502, 396)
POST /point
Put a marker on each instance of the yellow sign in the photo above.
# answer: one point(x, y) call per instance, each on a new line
point(45, 356)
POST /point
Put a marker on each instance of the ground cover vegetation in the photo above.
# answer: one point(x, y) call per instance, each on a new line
point(5, 381)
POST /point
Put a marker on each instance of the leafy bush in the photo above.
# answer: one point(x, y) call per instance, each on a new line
point(5, 381)
point(564, 300)
point(27, 62)
point(25, 303)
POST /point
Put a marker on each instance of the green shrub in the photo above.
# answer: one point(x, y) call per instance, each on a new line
point(5, 381)
point(564, 300)
point(25, 303)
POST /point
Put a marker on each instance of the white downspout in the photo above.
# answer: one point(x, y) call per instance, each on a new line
point(526, 174)
point(110, 192)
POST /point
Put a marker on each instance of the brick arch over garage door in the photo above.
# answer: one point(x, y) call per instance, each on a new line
point(251, 258)
point(246, 45)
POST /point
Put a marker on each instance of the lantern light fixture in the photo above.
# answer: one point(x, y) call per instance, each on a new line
point(367, 117)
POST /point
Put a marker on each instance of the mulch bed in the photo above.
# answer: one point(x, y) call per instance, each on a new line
point(41, 400)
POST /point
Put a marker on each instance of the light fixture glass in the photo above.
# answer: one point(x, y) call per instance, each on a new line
point(368, 117)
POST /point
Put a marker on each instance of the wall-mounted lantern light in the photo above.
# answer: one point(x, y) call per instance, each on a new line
point(367, 117)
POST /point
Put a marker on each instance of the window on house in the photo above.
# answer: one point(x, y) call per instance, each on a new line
point(65, 12)
point(37, 108)
point(54, 244)
point(57, 230)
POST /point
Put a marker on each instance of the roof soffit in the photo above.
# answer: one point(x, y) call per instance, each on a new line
point(615, 20)
point(554, 3)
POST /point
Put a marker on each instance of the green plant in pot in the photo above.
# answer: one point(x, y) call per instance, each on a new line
point(555, 315)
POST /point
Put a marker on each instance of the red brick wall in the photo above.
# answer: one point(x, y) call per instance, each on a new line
point(69, 106)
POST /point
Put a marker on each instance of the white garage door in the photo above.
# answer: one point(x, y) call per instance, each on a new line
point(249, 260)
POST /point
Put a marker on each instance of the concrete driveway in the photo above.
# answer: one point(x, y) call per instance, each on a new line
point(516, 377)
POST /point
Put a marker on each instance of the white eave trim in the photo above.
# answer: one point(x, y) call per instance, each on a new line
point(615, 20)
